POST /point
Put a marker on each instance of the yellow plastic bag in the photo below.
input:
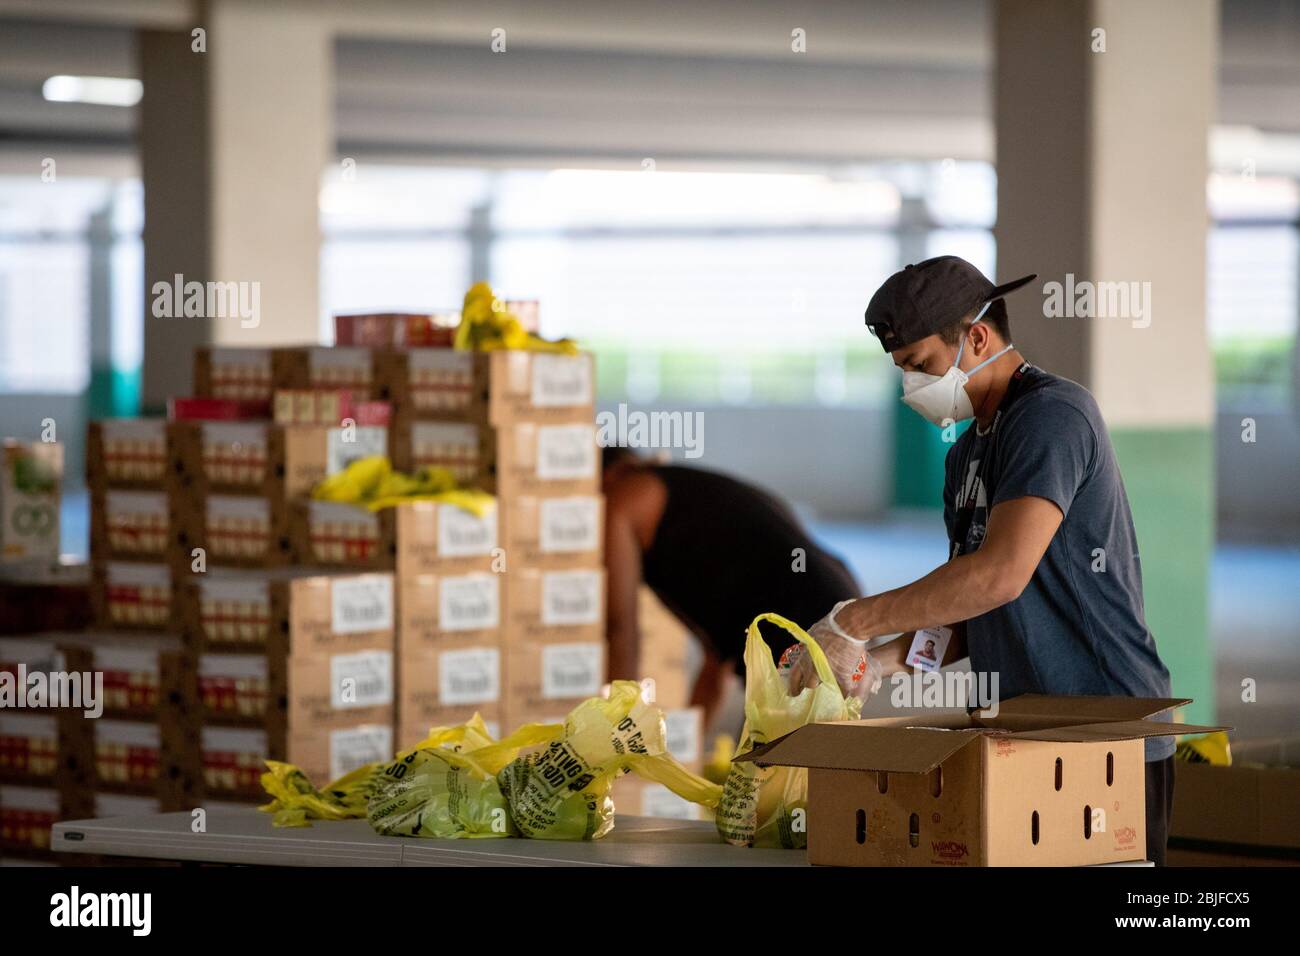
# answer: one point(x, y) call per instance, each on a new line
point(1212, 748)
point(766, 806)
point(446, 785)
point(295, 802)
point(486, 327)
point(371, 483)
point(562, 792)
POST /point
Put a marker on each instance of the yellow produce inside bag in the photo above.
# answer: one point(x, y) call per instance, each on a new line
point(446, 786)
point(562, 792)
point(767, 806)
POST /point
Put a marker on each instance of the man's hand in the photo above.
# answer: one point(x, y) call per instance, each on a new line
point(856, 673)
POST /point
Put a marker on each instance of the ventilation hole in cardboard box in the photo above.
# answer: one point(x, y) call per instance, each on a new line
point(1110, 769)
point(882, 781)
point(1087, 822)
point(914, 830)
point(1059, 773)
point(862, 826)
point(1033, 828)
point(936, 782)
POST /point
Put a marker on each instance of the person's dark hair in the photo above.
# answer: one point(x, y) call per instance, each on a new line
point(611, 455)
point(996, 317)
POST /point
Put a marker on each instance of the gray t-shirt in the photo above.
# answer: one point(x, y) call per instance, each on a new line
point(1078, 627)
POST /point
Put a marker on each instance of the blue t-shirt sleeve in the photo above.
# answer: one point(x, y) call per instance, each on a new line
point(1046, 449)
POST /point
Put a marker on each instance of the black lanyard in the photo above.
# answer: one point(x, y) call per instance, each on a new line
point(971, 484)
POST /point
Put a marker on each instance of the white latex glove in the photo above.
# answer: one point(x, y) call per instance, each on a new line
point(856, 671)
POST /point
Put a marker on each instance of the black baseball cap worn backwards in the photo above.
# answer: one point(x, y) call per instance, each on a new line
point(929, 296)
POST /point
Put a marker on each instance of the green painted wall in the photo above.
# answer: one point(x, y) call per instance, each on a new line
point(113, 392)
point(919, 452)
point(1169, 476)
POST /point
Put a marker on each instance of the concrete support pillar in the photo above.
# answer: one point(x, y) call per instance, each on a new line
point(236, 127)
point(1102, 118)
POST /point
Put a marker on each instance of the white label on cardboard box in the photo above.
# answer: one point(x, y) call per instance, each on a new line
point(361, 679)
point(235, 591)
point(241, 356)
point(426, 434)
point(441, 360)
point(571, 670)
point(29, 798)
point(339, 357)
point(658, 801)
point(462, 533)
point(928, 646)
point(361, 603)
point(233, 665)
point(246, 435)
point(345, 445)
point(233, 740)
point(682, 730)
point(469, 675)
point(469, 602)
point(569, 524)
point(128, 733)
point(125, 805)
point(358, 746)
point(566, 452)
point(127, 659)
point(561, 380)
point(28, 725)
point(134, 429)
point(245, 507)
point(136, 502)
point(141, 575)
point(38, 655)
point(570, 597)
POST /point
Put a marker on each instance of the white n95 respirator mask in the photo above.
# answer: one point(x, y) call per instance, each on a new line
point(941, 399)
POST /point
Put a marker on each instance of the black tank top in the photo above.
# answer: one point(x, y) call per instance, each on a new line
point(724, 552)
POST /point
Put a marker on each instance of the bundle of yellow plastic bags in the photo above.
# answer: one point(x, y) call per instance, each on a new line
point(544, 781)
point(486, 326)
point(372, 483)
point(766, 806)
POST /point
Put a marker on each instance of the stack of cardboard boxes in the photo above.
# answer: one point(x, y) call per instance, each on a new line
point(290, 654)
point(289, 666)
point(449, 637)
point(239, 621)
point(507, 618)
point(42, 756)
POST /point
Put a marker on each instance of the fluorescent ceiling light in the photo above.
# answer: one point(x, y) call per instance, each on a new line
point(100, 90)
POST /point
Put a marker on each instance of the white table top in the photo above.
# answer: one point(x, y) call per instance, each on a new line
point(247, 837)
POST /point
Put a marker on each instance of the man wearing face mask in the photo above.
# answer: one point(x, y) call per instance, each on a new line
point(1032, 490)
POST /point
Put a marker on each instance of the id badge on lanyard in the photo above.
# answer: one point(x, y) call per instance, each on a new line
point(971, 485)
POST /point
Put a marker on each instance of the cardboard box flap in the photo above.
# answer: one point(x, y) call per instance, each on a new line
point(1089, 709)
point(851, 745)
point(1112, 730)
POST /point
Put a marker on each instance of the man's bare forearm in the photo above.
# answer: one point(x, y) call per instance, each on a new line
point(965, 587)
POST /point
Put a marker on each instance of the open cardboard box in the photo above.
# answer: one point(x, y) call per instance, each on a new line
point(1049, 781)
